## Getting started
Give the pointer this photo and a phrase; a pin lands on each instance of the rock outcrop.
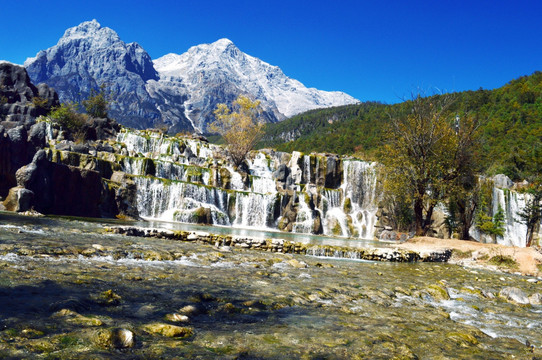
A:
(20, 137)
(20, 100)
(29, 179)
(61, 189)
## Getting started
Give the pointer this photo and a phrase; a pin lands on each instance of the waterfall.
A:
(306, 169)
(175, 179)
(361, 188)
(304, 221)
(255, 210)
(262, 176)
(177, 201)
(511, 202)
(236, 180)
(334, 218)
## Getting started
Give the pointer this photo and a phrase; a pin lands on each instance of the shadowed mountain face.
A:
(89, 55)
(179, 91)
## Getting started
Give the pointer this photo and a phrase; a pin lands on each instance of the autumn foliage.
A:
(240, 126)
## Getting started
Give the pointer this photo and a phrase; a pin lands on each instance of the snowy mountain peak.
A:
(220, 67)
(222, 43)
(91, 30)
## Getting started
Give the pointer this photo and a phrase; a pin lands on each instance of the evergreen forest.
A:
(509, 127)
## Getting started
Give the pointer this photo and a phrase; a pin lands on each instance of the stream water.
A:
(64, 283)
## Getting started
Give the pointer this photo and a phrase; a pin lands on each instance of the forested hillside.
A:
(510, 127)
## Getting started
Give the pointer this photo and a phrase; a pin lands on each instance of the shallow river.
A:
(65, 283)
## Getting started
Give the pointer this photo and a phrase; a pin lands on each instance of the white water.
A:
(349, 210)
(511, 202)
(184, 165)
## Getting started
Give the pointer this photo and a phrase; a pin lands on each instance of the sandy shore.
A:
(527, 258)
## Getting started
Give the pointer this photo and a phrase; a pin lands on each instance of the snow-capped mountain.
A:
(221, 68)
(180, 91)
(89, 55)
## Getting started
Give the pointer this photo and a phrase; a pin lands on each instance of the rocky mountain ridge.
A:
(178, 91)
(221, 67)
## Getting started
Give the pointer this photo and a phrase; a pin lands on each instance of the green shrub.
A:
(69, 119)
(462, 254)
(503, 261)
(98, 102)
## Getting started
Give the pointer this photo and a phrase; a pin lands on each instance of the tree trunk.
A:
(530, 235)
(531, 226)
(418, 213)
(428, 220)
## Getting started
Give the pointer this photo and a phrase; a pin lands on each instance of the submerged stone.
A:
(117, 338)
(76, 318)
(168, 330)
(438, 292)
(177, 317)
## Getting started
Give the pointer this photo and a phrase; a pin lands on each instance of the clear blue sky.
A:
(373, 50)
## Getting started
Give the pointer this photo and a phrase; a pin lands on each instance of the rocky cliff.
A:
(28, 180)
(20, 104)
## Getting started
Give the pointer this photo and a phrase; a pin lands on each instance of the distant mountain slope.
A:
(179, 91)
(219, 71)
(510, 127)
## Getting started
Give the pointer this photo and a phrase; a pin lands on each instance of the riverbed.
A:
(68, 288)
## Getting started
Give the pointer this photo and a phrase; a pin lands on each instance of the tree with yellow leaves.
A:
(240, 127)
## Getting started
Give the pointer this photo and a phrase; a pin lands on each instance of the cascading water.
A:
(334, 221)
(304, 221)
(254, 210)
(306, 169)
(360, 186)
(178, 201)
(510, 202)
(184, 173)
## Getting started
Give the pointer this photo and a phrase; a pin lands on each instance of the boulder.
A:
(117, 338)
(19, 199)
(502, 181)
(203, 215)
(515, 295)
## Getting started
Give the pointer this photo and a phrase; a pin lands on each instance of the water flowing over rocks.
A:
(284, 246)
(186, 179)
(506, 195)
(515, 295)
(70, 290)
